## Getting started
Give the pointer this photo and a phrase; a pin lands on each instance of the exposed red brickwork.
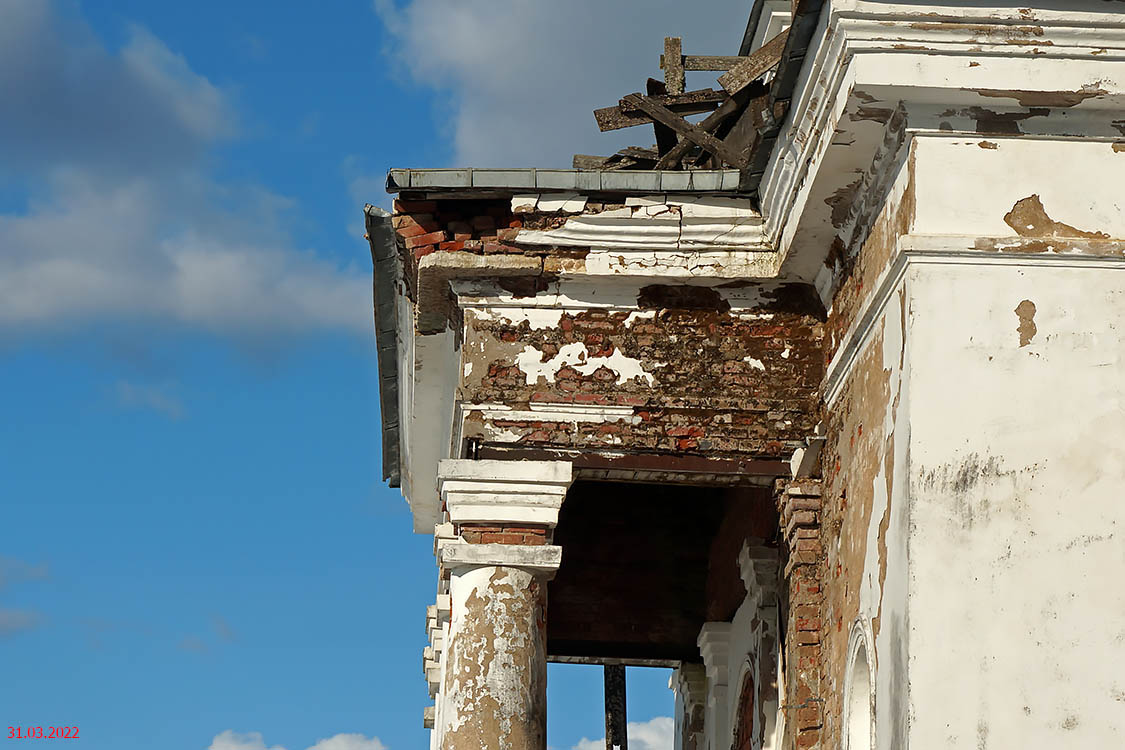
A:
(423, 226)
(723, 383)
(503, 534)
(799, 504)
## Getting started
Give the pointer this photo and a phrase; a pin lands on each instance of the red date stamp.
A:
(42, 733)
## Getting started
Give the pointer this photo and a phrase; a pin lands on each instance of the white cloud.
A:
(123, 221)
(654, 734)
(231, 740)
(197, 103)
(349, 742)
(521, 79)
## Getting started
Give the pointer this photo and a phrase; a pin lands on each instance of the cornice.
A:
(872, 58)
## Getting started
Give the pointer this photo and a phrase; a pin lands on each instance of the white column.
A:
(494, 688)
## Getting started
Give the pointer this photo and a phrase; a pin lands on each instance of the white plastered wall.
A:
(1017, 455)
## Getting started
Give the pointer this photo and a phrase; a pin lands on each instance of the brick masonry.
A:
(799, 505)
(503, 534)
(716, 381)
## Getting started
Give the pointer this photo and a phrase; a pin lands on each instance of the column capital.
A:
(490, 491)
(541, 560)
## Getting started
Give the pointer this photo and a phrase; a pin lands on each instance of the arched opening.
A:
(857, 706)
(746, 719)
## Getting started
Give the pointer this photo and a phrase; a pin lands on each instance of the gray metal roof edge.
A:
(384, 257)
(574, 180)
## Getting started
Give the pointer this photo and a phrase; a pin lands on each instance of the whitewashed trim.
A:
(556, 412)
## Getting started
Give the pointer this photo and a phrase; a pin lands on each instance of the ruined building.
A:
(819, 400)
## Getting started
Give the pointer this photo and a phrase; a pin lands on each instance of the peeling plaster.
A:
(1029, 218)
(531, 362)
(1025, 311)
(494, 693)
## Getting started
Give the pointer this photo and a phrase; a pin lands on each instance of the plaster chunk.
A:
(567, 203)
(524, 202)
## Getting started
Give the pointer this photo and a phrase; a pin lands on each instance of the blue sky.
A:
(197, 547)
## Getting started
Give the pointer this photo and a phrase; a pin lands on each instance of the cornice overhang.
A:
(882, 73)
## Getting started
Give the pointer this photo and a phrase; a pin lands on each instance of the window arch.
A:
(859, 697)
(747, 717)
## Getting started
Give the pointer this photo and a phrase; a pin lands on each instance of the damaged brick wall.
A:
(704, 380)
(803, 704)
(699, 376)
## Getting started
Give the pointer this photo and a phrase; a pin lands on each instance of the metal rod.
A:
(615, 720)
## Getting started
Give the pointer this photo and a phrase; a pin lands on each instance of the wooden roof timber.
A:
(726, 136)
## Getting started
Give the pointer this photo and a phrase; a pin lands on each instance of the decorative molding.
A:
(661, 223)
(714, 647)
(504, 491)
(759, 565)
(690, 682)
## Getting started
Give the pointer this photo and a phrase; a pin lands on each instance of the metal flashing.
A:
(384, 256)
(572, 180)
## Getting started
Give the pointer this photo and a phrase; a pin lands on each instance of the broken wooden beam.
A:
(755, 65)
(687, 130)
(673, 65)
(744, 133)
(586, 161)
(638, 153)
(672, 159)
(665, 136)
(691, 103)
(711, 63)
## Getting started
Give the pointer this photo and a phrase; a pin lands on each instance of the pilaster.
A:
(799, 505)
(714, 646)
(689, 685)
